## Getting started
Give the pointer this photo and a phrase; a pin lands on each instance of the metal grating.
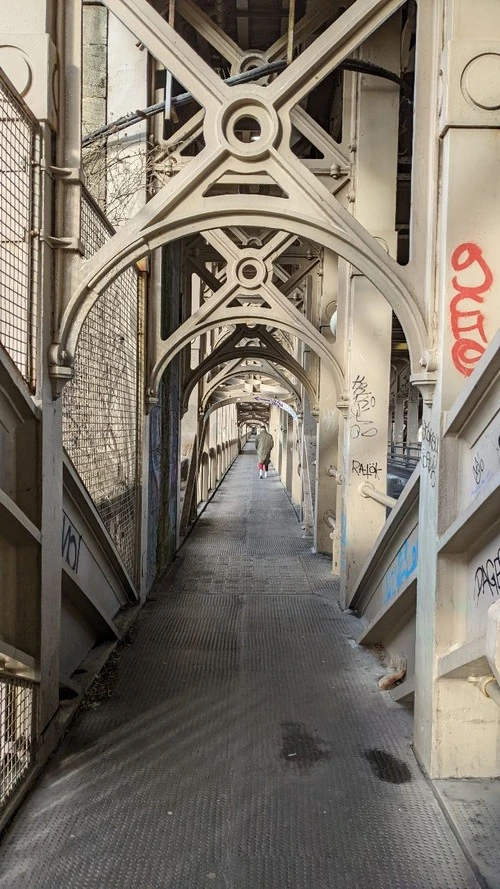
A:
(245, 744)
(100, 405)
(19, 193)
(16, 732)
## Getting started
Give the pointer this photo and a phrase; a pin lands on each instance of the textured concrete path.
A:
(246, 744)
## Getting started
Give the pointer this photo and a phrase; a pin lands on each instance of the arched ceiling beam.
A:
(382, 271)
(248, 270)
(275, 375)
(183, 206)
(289, 364)
(228, 350)
(238, 368)
(235, 399)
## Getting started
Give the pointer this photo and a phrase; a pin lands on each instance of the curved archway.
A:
(293, 391)
(248, 315)
(232, 399)
(292, 365)
(134, 242)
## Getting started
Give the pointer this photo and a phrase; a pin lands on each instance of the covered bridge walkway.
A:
(242, 742)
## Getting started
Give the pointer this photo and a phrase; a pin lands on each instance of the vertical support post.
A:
(291, 31)
(456, 728)
(289, 454)
(327, 455)
(366, 329)
(365, 432)
(296, 493)
(327, 451)
(64, 221)
(412, 416)
(399, 414)
(284, 446)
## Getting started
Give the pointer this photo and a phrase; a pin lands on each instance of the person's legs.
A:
(261, 467)
(266, 467)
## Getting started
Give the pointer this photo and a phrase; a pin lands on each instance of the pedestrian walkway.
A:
(246, 744)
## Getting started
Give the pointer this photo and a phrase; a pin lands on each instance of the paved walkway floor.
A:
(246, 744)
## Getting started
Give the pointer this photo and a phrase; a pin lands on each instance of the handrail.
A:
(488, 685)
(366, 489)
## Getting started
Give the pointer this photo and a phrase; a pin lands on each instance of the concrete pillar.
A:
(456, 728)
(328, 413)
(29, 48)
(296, 490)
(289, 454)
(275, 430)
(399, 417)
(365, 431)
(327, 455)
(412, 422)
(308, 461)
(284, 446)
(366, 329)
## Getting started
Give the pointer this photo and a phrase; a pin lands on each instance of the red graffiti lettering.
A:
(467, 351)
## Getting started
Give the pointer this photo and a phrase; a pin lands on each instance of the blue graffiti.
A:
(343, 542)
(406, 563)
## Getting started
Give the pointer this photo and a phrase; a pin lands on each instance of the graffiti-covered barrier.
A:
(386, 591)
(468, 546)
(95, 585)
(469, 542)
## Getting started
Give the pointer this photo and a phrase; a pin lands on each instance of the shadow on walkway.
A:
(246, 744)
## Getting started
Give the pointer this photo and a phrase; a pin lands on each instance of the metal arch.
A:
(255, 353)
(229, 351)
(379, 267)
(247, 316)
(310, 208)
(219, 311)
(271, 348)
(276, 376)
(264, 369)
(236, 399)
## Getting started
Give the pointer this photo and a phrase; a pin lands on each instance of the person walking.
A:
(264, 443)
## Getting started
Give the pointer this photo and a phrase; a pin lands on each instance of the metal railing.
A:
(404, 456)
(19, 205)
(16, 733)
(101, 414)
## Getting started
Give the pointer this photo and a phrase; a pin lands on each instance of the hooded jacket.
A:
(264, 444)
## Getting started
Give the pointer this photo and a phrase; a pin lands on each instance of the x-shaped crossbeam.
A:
(184, 206)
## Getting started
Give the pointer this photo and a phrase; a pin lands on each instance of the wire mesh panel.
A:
(18, 249)
(16, 732)
(100, 404)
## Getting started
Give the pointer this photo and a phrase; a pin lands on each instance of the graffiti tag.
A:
(487, 578)
(467, 323)
(477, 468)
(405, 565)
(71, 541)
(363, 400)
(367, 470)
(429, 457)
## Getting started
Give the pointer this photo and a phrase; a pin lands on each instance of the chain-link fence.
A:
(101, 414)
(19, 193)
(16, 733)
